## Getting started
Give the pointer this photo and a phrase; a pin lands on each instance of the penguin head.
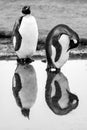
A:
(74, 41)
(73, 44)
(26, 10)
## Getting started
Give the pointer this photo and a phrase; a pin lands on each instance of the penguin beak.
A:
(73, 44)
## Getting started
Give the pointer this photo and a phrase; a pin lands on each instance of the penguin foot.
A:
(52, 69)
(21, 61)
(48, 68)
(28, 61)
(57, 70)
(24, 61)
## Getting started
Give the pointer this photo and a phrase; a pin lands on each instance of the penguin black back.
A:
(16, 34)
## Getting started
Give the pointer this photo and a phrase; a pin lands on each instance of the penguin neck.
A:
(27, 15)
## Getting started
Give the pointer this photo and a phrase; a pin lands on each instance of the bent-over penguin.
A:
(60, 40)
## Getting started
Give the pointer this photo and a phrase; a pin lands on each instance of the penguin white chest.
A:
(64, 42)
(29, 33)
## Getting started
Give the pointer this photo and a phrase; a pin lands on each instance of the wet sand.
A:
(7, 51)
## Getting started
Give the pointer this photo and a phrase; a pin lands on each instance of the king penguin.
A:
(25, 35)
(24, 87)
(57, 94)
(60, 40)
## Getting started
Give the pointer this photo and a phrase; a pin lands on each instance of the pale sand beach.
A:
(48, 14)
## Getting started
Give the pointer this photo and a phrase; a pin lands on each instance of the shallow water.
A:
(48, 14)
(34, 82)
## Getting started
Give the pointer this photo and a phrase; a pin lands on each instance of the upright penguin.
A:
(60, 40)
(57, 94)
(25, 35)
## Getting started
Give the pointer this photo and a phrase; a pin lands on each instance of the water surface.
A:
(33, 96)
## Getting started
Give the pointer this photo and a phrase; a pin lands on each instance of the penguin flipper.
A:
(16, 38)
(24, 61)
(58, 48)
(48, 56)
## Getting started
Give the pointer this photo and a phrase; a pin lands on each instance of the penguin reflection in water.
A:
(60, 40)
(57, 94)
(24, 86)
(25, 36)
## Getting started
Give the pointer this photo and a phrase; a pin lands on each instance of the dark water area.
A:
(32, 99)
(48, 14)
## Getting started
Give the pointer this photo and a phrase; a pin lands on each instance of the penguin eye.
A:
(26, 8)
